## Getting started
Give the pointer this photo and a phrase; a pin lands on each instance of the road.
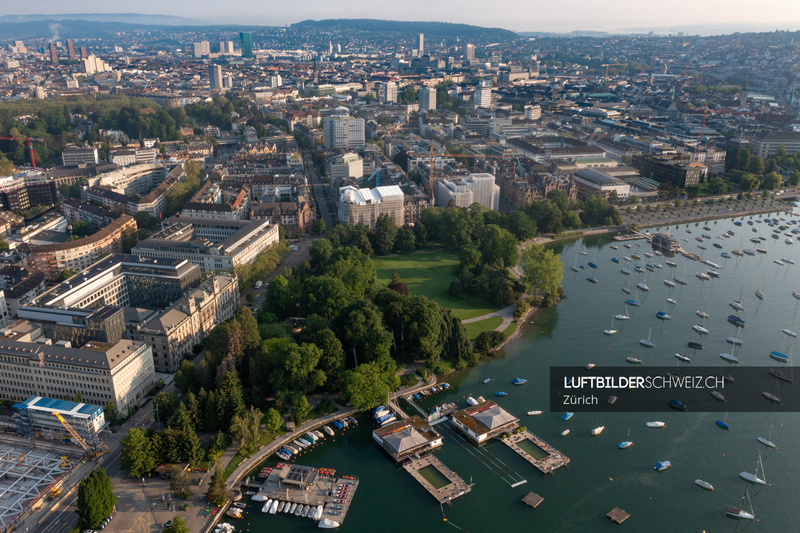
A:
(324, 205)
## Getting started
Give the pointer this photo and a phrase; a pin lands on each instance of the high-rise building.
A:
(93, 65)
(53, 53)
(215, 77)
(201, 49)
(421, 46)
(20, 46)
(469, 53)
(483, 94)
(84, 53)
(388, 92)
(247, 43)
(71, 50)
(463, 192)
(226, 47)
(427, 99)
(343, 132)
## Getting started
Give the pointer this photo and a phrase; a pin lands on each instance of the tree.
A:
(274, 420)
(398, 286)
(110, 412)
(177, 526)
(367, 385)
(300, 410)
(165, 404)
(179, 480)
(360, 328)
(794, 179)
(81, 228)
(498, 245)
(294, 368)
(405, 242)
(749, 182)
(385, 235)
(217, 492)
(542, 269)
(756, 165)
(96, 499)
(137, 455)
(65, 274)
(771, 180)
(145, 220)
(250, 337)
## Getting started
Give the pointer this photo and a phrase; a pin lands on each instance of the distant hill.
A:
(127, 18)
(430, 29)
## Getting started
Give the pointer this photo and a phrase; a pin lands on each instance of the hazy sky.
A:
(518, 15)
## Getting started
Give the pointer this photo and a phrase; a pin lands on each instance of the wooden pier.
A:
(635, 236)
(533, 499)
(455, 488)
(618, 515)
(554, 459)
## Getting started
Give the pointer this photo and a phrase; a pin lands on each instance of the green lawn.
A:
(511, 329)
(487, 324)
(430, 274)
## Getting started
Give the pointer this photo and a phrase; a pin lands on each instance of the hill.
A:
(432, 30)
(127, 18)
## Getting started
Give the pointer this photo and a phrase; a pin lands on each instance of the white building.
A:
(93, 64)
(427, 99)
(366, 205)
(593, 182)
(226, 47)
(346, 166)
(388, 92)
(74, 156)
(343, 132)
(477, 188)
(201, 49)
(483, 94)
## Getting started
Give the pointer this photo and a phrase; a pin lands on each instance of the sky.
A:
(690, 16)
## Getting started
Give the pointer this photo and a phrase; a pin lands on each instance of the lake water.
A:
(601, 476)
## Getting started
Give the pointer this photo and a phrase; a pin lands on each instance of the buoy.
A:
(611, 479)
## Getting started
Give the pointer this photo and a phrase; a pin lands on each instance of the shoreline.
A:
(717, 216)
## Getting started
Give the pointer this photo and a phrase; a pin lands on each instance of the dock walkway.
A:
(457, 486)
(554, 460)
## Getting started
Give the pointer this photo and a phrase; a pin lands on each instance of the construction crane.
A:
(613, 65)
(93, 451)
(30, 146)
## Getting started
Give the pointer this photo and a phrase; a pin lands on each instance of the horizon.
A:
(627, 16)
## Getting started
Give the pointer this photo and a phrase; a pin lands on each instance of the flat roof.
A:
(78, 410)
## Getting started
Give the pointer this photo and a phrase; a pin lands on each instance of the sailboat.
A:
(574, 267)
(627, 443)
(737, 304)
(767, 441)
(760, 292)
(681, 280)
(599, 429)
(669, 283)
(773, 397)
(753, 478)
(739, 512)
(611, 330)
(705, 484)
(647, 343)
(702, 314)
(723, 423)
(623, 316)
(729, 356)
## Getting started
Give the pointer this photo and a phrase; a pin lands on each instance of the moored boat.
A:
(655, 424)
(567, 415)
(705, 484)
(661, 466)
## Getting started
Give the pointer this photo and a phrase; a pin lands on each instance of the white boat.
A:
(598, 430)
(611, 330)
(327, 523)
(267, 506)
(669, 283)
(643, 286)
(565, 433)
(705, 484)
(672, 301)
(634, 360)
(274, 507)
(739, 512)
(292, 509)
(534, 413)
(301, 443)
(623, 316)
(590, 366)
(702, 275)
(729, 357)
(472, 401)
(683, 358)
(753, 477)
(381, 413)
(318, 512)
(767, 441)
(647, 343)
(700, 329)
(734, 340)
(790, 332)
(328, 430)
(259, 498)
(655, 424)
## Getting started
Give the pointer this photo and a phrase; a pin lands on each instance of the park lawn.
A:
(430, 274)
(265, 439)
(511, 329)
(487, 324)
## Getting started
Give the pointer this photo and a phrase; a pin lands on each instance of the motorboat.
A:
(487, 380)
(598, 430)
(519, 381)
(705, 484)
(534, 413)
(661, 466)
(328, 430)
(567, 415)
(672, 263)
(591, 365)
(683, 358)
(677, 404)
(327, 523)
(634, 360)
(655, 424)
(702, 275)
(591, 280)
(234, 512)
(501, 393)
(702, 314)
(565, 433)
(259, 497)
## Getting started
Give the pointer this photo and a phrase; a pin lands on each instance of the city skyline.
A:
(627, 16)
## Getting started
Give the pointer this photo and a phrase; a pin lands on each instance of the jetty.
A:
(533, 500)
(441, 482)
(305, 485)
(618, 515)
(536, 451)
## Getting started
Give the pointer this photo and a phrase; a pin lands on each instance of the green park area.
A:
(479, 326)
(430, 274)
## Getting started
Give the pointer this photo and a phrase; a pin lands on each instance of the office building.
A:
(463, 192)
(469, 52)
(483, 94)
(213, 244)
(674, 169)
(388, 92)
(594, 182)
(366, 205)
(427, 99)
(76, 255)
(346, 166)
(421, 44)
(215, 77)
(343, 132)
(53, 53)
(71, 50)
(36, 416)
(246, 39)
(767, 144)
(122, 372)
(226, 47)
(201, 49)
(74, 156)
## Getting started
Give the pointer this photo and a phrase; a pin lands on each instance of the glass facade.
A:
(247, 43)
